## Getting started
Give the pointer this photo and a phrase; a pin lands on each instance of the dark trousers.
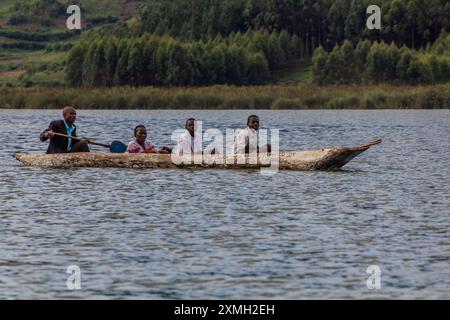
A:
(80, 146)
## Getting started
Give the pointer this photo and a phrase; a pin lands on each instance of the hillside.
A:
(234, 42)
(34, 42)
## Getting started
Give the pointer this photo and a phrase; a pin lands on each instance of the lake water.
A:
(231, 234)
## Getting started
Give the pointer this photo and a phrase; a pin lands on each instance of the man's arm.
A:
(48, 133)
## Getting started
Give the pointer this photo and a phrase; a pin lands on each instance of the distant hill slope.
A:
(33, 50)
(91, 10)
(34, 53)
(34, 41)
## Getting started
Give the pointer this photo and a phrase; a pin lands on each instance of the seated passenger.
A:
(143, 145)
(247, 140)
(189, 142)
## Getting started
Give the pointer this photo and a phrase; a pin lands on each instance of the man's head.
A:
(69, 114)
(253, 122)
(190, 126)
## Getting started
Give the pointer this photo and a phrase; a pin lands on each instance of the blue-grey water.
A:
(231, 234)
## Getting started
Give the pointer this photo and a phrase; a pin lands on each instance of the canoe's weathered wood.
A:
(325, 159)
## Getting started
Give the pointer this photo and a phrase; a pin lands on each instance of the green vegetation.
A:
(43, 12)
(99, 9)
(295, 72)
(34, 41)
(379, 62)
(290, 49)
(330, 33)
(414, 23)
(231, 97)
(19, 68)
(150, 60)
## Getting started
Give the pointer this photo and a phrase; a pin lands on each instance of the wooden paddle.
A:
(114, 147)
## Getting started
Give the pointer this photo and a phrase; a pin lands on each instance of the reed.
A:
(232, 97)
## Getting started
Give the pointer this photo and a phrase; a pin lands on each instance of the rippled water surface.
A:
(231, 234)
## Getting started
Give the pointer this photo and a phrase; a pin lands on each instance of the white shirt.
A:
(185, 141)
(248, 135)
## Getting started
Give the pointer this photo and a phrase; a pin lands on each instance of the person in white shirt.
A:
(247, 140)
(189, 142)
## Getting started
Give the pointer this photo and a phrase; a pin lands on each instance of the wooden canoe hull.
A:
(325, 159)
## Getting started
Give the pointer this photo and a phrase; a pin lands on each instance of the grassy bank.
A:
(229, 97)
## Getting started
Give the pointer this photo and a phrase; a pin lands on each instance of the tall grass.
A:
(231, 97)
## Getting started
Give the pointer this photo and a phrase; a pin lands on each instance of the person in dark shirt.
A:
(66, 126)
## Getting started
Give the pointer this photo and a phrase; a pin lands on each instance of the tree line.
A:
(379, 62)
(150, 60)
(413, 23)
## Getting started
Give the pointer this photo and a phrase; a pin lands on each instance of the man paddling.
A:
(67, 127)
(247, 140)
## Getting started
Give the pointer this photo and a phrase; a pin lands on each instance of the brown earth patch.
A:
(130, 8)
(11, 74)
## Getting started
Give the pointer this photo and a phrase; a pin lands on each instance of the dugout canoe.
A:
(324, 159)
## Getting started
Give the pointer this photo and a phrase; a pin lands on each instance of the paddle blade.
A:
(118, 147)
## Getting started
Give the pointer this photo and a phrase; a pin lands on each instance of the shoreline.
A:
(224, 97)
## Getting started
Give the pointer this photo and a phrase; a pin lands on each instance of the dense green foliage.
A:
(45, 12)
(316, 22)
(245, 41)
(379, 62)
(239, 42)
(166, 61)
(36, 11)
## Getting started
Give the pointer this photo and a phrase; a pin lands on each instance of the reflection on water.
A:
(231, 233)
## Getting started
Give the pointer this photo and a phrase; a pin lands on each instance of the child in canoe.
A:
(143, 145)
